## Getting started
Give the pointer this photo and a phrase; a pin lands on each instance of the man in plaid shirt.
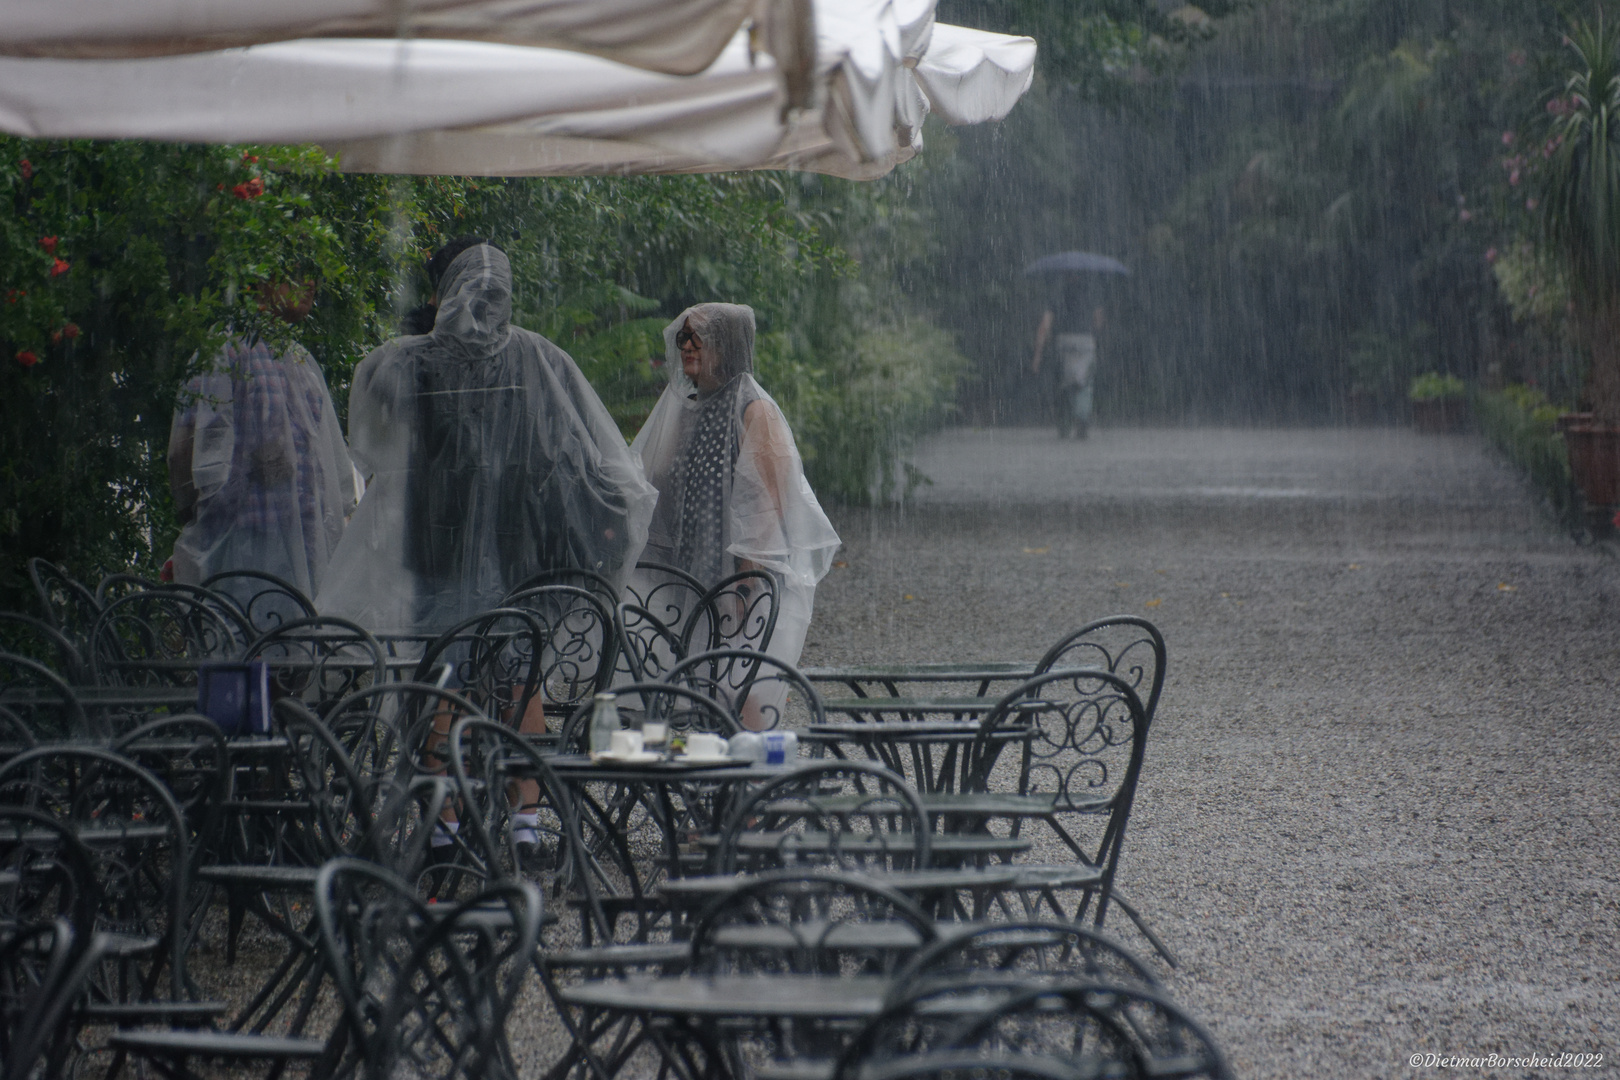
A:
(257, 462)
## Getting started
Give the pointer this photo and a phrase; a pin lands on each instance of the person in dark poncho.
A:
(490, 459)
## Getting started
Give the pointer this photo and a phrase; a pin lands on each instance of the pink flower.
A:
(26, 358)
(1507, 138)
(60, 267)
(1531, 204)
(1517, 58)
(1465, 215)
(1513, 178)
(1490, 255)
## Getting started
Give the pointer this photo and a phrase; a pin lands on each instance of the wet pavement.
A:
(1378, 814)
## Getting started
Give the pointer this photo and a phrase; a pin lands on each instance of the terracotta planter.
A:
(1594, 461)
(1439, 416)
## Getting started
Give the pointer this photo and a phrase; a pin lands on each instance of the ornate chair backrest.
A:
(809, 923)
(140, 846)
(44, 970)
(1146, 1027)
(494, 659)
(1124, 645)
(67, 604)
(55, 874)
(580, 641)
(394, 731)
(319, 659)
(737, 613)
(1087, 739)
(161, 637)
(448, 1011)
(738, 677)
(499, 773)
(35, 704)
(342, 798)
(265, 600)
(979, 1018)
(410, 810)
(665, 592)
(39, 641)
(1034, 951)
(371, 922)
(842, 815)
(648, 647)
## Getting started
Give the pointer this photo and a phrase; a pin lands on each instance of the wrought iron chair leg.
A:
(1159, 947)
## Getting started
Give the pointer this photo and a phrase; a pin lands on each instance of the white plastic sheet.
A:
(473, 107)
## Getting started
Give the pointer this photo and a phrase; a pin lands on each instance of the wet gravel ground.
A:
(1378, 815)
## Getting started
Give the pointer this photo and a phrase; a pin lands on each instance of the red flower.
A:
(60, 267)
(250, 190)
(27, 169)
(49, 244)
(26, 358)
(70, 330)
(14, 295)
(1616, 521)
(250, 158)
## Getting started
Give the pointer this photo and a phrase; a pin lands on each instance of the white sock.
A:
(445, 833)
(524, 828)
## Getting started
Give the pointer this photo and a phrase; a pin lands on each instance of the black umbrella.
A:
(1070, 261)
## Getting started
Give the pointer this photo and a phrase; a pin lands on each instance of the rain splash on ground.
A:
(1378, 816)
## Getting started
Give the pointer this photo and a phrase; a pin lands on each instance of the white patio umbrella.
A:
(680, 37)
(477, 107)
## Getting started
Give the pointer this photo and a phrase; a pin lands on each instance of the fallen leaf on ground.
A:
(1037, 551)
(841, 564)
(908, 596)
(1122, 584)
(1354, 566)
(1153, 603)
(1505, 587)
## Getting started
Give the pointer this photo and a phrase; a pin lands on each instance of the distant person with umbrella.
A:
(1071, 323)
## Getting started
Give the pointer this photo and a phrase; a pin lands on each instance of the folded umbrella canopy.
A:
(840, 88)
(681, 37)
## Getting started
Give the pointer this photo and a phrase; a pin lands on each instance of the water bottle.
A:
(780, 747)
(604, 722)
(747, 746)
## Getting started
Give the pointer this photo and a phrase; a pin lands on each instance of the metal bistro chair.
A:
(1035, 951)
(67, 604)
(1077, 774)
(494, 660)
(35, 704)
(44, 970)
(267, 601)
(739, 612)
(975, 1021)
(38, 640)
(319, 659)
(842, 815)
(1127, 646)
(648, 646)
(580, 641)
(153, 644)
(757, 686)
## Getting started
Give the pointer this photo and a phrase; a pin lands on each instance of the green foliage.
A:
(1521, 422)
(1433, 386)
(155, 251)
(1581, 183)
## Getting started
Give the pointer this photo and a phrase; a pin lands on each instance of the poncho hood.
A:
(727, 330)
(475, 303)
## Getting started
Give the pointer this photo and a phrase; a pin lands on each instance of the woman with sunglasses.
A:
(732, 494)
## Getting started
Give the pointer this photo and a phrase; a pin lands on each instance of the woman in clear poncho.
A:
(732, 494)
(490, 459)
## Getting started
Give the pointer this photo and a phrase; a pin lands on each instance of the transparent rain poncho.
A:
(490, 459)
(258, 441)
(732, 494)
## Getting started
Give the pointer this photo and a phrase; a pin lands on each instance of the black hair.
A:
(441, 260)
(419, 320)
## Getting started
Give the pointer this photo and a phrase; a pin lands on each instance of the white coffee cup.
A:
(654, 732)
(626, 743)
(704, 744)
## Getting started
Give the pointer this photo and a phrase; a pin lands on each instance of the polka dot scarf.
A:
(703, 477)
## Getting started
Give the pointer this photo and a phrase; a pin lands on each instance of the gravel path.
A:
(1378, 816)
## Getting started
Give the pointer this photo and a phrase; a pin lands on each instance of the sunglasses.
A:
(685, 336)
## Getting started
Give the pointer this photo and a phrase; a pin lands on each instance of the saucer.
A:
(703, 758)
(641, 757)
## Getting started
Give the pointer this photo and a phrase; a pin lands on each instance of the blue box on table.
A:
(236, 697)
